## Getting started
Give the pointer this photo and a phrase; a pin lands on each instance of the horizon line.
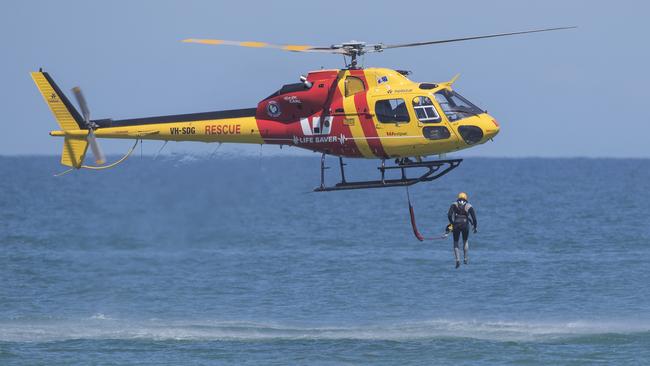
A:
(307, 155)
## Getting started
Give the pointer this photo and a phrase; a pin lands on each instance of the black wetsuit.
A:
(461, 216)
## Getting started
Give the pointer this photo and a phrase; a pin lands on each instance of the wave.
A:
(101, 327)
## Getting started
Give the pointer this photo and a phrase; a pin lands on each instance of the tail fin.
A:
(66, 115)
(74, 149)
(74, 152)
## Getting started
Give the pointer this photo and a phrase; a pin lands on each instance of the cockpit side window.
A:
(425, 111)
(353, 85)
(455, 106)
(392, 111)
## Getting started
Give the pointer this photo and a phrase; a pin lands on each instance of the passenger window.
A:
(353, 85)
(392, 111)
(425, 111)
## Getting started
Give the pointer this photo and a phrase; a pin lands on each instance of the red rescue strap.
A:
(416, 232)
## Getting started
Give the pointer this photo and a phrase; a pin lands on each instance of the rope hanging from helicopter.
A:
(414, 226)
(103, 167)
(116, 163)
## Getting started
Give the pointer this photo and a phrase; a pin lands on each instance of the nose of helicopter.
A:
(490, 127)
(480, 130)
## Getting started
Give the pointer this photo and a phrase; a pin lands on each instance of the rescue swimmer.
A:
(460, 215)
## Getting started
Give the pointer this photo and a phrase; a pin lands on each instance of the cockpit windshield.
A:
(455, 106)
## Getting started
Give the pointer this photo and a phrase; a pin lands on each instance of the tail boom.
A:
(235, 130)
(235, 126)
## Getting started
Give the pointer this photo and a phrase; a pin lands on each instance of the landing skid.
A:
(434, 170)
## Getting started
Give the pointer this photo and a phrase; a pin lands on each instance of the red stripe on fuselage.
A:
(365, 118)
(348, 147)
(291, 133)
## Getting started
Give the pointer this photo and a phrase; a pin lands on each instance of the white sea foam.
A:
(100, 326)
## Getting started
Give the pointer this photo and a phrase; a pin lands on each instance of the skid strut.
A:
(342, 170)
(432, 170)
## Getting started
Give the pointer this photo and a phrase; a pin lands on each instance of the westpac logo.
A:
(53, 98)
(317, 126)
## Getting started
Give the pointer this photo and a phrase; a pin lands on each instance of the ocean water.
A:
(226, 260)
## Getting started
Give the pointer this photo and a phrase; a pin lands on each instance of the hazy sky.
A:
(569, 93)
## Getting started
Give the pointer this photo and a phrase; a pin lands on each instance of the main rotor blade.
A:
(82, 103)
(470, 38)
(285, 47)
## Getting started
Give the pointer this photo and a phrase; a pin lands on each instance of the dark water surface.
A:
(230, 260)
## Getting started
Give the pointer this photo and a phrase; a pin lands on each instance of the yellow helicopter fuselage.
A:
(373, 113)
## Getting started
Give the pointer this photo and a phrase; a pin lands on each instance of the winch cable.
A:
(416, 232)
(102, 167)
(119, 161)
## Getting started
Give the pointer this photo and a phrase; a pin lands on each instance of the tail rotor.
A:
(92, 140)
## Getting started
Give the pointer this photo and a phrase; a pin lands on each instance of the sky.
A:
(575, 93)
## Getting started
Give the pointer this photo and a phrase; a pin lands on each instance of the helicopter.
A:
(352, 112)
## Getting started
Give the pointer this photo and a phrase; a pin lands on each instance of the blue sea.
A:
(233, 260)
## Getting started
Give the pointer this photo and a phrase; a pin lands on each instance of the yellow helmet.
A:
(462, 196)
